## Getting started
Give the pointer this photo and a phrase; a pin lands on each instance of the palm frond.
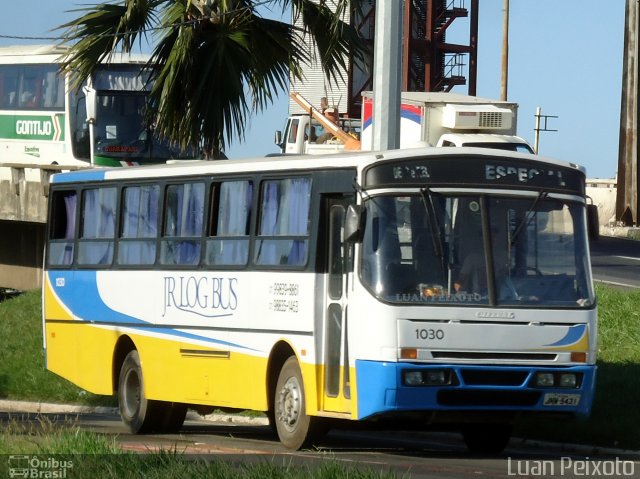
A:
(102, 30)
(215, 61)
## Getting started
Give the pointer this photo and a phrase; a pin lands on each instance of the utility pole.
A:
(540, 118)
(627, 197)
(387, 75)
(505, 52)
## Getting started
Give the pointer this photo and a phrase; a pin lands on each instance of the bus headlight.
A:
(568, 380)
(412, 378)
(545, 380)
(427, 377)
(559, 380)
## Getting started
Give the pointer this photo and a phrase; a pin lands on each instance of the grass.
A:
(22, 373)
(615, 417)
(634, 234)
(614, 421)
(86, 454)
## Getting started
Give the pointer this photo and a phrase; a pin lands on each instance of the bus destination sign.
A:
(475, 171)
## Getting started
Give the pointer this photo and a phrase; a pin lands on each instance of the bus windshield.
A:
(121, 132)
(481, 250)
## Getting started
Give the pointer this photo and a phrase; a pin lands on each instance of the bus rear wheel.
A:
(139, 414)
(294, 427)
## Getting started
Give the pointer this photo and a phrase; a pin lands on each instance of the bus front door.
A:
(336, 372)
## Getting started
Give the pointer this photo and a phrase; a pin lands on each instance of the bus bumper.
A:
(387, 388)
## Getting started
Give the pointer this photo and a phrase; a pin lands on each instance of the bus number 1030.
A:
(430, 334)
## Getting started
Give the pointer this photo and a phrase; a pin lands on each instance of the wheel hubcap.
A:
(289, 404)
(131, 393)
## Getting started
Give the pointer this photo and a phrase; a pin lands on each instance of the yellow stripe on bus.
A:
(173, 370)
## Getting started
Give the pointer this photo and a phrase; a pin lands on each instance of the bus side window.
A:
(228, 241)
(183, 220)
(98, 221)
(283, 235)
(137, 243)
(62, 227)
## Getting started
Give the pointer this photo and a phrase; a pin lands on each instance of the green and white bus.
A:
(44, 121)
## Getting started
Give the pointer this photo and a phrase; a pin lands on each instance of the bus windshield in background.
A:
(519, 147)
(121, 132)
(429, 249)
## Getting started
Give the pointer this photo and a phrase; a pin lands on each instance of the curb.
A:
(581, 449)
(30, 407)
(52, 408)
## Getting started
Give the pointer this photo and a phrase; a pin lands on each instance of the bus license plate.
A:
(554, 399)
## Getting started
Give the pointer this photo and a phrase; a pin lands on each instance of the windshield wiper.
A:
(526, 220)
(432, 218)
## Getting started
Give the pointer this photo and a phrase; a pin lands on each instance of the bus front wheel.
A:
(295, 428)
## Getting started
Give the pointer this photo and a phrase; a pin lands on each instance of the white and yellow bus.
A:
(440, 286)
(44, 121)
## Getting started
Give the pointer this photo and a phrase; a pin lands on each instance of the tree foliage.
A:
(215, 62)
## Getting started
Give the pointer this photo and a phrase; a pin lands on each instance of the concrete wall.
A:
(23, 214)
(603, 194)
(21, 254)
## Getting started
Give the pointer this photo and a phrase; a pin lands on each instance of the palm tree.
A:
(215, 62)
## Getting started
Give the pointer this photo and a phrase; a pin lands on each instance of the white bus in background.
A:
(43, 121)
(425, 287)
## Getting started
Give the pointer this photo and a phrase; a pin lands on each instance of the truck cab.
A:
(304, 135)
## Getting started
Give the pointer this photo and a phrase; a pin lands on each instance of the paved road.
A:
(407, 454)
(616, 261)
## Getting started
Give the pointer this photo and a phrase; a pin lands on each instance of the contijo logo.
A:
(34, 127)
(38, 467)
(571, 467)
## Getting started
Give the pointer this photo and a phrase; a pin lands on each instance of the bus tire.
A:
(172, 417)
(487, 438)
(138, 413)
(295, 429)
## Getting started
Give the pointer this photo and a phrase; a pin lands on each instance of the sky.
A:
(564, 57)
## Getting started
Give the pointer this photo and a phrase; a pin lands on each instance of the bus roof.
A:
(24, 50)
(291, 163)
(25, 54)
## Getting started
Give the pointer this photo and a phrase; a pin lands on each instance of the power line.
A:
(16, 37)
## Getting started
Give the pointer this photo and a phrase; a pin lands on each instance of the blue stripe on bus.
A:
(80, 295)
(380, 389)
(575, 334)
(96, 174)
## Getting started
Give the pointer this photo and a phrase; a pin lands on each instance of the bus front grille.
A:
(488, 398)
(493, 356)
(480, 377)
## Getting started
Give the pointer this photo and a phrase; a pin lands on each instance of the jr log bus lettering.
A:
(350, 287)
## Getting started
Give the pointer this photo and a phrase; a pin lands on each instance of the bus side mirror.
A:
(353, 224)
(91, 104)
(593, 222)
(278, 139)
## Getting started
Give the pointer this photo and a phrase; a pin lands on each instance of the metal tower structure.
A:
(429, 62)
(627, 200)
